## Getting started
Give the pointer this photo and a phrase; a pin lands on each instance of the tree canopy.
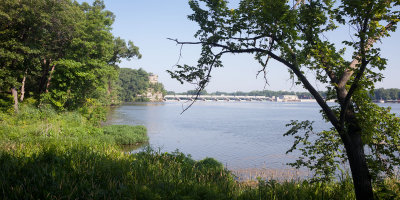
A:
(294, 35)
(386, 94)
(59, 52)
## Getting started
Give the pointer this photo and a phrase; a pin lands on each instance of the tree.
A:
(89, 70)
(294, 35)
(32, 33)
(133, 83)
(59, 52)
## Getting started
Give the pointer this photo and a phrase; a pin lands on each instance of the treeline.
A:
(59, 52)
(386, 94)
(378, 94)
(267, 93)
(135, 85)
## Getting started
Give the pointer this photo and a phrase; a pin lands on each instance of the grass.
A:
(32, 124)
(59, 170)
(49, 155)
(126, 135)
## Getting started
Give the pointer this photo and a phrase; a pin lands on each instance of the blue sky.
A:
(149, 22)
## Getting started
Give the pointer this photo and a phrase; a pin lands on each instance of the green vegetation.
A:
(267, 93)
(135, 84)
(84, 172)
(59, 52)
(59, 66)
(386, 94)
(32, 125)
(49, 155)
(378, 94)
(293, 33)
(126, 135)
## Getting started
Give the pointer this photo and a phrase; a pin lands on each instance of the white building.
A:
(288, 98)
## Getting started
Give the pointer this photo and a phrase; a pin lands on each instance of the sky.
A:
(148, 23)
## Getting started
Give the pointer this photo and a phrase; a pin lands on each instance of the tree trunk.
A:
(43, 79)
(23, 87)
(49, 79)
(109, 92)
(109, 89)
(358, 164)
(15, 95)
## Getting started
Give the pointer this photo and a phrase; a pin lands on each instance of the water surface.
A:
(238, 134)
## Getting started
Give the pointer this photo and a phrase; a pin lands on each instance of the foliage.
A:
(135, 84)
(93, 112)
(49, 155)
(267, 93)
(194, 92)
(126, 135)
(324, 153)
(386, 94)
(321, 152)
(294, 34)
(32, 125)
(57, 169)
(60, 52)
(298, 189)
(158, 87)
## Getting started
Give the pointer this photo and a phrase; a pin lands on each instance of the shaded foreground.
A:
(45, 155)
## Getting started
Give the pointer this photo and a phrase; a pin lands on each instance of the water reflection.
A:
(242, 135)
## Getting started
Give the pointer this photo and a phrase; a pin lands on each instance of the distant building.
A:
(287, 98)
(150, 93)
(153, 78)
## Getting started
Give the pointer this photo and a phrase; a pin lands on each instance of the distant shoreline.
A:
(299, 101)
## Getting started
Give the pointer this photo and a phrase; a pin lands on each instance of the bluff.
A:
(137, 85)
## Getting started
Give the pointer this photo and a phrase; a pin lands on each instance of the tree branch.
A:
(342, 92)
(298, 3)
(331, 116)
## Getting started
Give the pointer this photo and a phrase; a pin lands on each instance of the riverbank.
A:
(50, 155)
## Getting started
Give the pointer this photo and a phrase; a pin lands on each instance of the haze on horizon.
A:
(149, 23)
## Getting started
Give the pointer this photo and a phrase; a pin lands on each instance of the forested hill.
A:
(136, 86)
(60, 53)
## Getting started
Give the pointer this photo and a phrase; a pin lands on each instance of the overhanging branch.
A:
(226, 49)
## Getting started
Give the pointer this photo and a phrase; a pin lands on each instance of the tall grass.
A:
(127, 135)
(300, 189)
(50, 155)
(59, 170)
(38, 125)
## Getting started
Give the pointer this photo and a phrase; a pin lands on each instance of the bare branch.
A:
(331, 116)
(203, 84)
(264, 71)
(180, 56)
(264, 66)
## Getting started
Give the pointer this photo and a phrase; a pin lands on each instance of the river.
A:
(241, 135)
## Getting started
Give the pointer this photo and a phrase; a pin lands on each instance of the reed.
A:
(49, 155)
(127, 135)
